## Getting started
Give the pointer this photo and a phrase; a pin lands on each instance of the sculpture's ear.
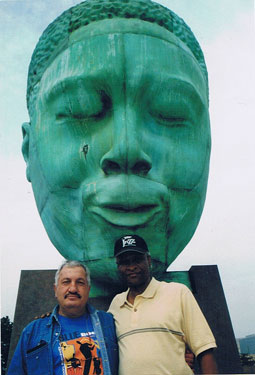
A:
(25, 146)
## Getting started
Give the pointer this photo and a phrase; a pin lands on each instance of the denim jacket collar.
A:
(54, 315)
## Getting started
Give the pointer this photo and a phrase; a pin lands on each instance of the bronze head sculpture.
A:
(119, 133)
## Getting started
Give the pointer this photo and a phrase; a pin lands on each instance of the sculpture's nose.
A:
(126, 154)
(131, 160)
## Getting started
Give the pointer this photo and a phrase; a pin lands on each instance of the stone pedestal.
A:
(208, 291)
(36, 297)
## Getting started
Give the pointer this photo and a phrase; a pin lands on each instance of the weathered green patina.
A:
(119, 140)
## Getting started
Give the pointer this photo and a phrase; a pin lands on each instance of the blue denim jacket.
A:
(33, 355)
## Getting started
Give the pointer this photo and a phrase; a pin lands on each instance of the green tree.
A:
(248, 363)
(6, 330)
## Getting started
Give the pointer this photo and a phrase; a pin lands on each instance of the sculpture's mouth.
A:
(121, 214)
(127, 201)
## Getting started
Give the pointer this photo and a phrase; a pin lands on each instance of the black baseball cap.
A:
(130, 243)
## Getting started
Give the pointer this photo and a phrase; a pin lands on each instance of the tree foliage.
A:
(247, 360)
(6, 330)
(248, 363)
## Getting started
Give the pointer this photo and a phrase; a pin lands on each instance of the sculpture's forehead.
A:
(126, 26)
(97, 51)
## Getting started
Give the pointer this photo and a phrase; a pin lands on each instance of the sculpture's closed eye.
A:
(87, 106)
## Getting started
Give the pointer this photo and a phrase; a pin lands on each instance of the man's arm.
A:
(189, 358)
(207, 362)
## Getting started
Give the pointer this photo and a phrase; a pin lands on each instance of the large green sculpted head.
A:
(119, 140)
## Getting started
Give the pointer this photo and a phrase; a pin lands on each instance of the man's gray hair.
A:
(72, 264)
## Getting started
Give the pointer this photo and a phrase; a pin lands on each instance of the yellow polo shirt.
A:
(153, 332)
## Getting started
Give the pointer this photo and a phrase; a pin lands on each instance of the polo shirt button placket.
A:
(135, 316)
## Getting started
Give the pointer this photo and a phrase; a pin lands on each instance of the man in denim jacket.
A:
(74, 338)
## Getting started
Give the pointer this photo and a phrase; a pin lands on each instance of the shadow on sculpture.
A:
(119, 134)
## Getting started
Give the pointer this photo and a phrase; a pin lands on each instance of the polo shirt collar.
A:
(149, 292)
(151, 289)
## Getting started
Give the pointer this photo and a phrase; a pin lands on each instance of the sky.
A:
(226, 233)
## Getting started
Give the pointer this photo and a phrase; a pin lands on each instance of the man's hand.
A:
(189, 358)
(207, 362)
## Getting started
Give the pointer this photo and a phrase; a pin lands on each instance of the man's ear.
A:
(55, 289)
(25, 146)
(149, 260)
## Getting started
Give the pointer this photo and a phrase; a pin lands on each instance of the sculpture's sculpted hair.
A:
(72, 264)
(57, 33)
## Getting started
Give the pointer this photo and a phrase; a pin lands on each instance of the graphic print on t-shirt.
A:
(82, 356)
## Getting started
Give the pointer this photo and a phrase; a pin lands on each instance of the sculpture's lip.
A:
(127, 215)
(129, 206)
(128, 201)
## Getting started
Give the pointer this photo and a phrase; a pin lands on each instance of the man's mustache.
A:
(72, 294)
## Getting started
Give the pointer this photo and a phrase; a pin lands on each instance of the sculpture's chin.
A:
(89, 235)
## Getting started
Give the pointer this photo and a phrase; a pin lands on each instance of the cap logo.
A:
(128, 241)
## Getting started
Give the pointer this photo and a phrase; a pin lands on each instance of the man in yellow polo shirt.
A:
(155, 321)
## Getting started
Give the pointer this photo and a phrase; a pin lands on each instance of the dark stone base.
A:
(36, 297)
(208, 291)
